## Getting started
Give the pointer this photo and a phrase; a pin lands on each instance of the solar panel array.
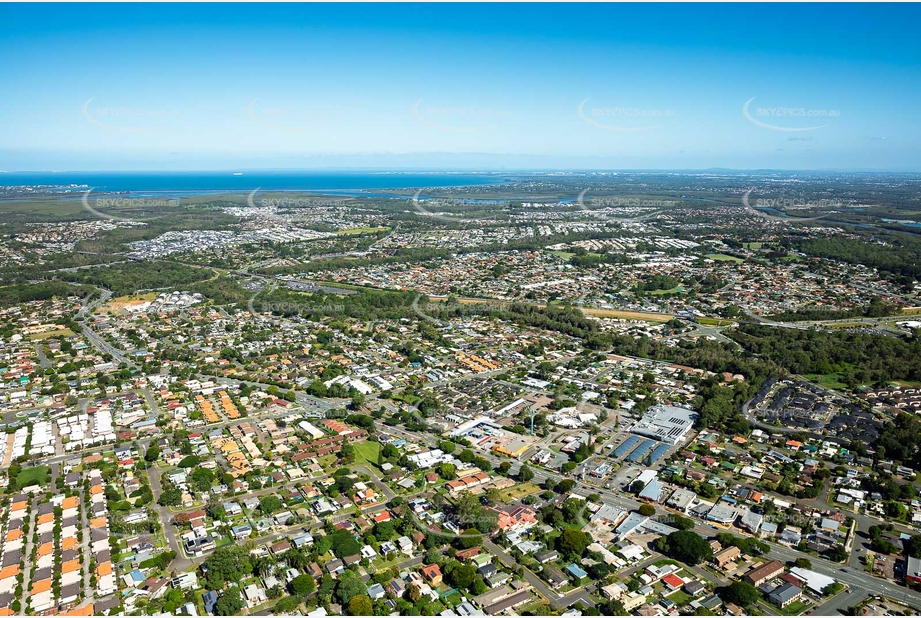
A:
(626, 446)
(640, 451)
(657, 453)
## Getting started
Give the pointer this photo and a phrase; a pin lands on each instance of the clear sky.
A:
(485, 86)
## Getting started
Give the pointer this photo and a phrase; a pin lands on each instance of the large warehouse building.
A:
(667, 424)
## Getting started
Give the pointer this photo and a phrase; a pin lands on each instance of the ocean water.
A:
(189, 183)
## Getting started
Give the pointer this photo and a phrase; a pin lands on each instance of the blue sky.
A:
(485, 86)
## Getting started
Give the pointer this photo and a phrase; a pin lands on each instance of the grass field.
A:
(363, 230)
(639, 316)
(713, 322)
(63, 332)
(794, 609)
(828, 380)
(722, 257)
(674, 290)
(40, 475)
(366, 453)
(679, 598)
(517, 492)
(628, 315)
(563, 254)
(754, 246)
(117, 304)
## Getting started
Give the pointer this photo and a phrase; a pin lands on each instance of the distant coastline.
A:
(191, 183)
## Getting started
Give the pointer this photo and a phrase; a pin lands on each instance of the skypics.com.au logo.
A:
(433, 208)
(456, 118)
(290, 118)
(623, 209)
(294, 202)
(125, 205)
(623, 119)
(788, 119)
(124, 119)
(762, 207)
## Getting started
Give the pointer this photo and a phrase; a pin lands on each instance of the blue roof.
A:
(641, 451)
(576, 571)
(658, 452)
(652, 491)
(210, 600)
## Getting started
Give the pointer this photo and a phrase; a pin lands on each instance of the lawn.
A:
(63, 332)
(628, 315)
(722, 257)
(563, 254)
(828, 380)
(517, 492)
(674, 290)
(713, 322)
(40, 475)
(680, 598)
(363, 230)
(794, 609)
(367, 453)
(754, 246)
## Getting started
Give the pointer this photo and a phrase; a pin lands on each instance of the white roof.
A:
(814, 581)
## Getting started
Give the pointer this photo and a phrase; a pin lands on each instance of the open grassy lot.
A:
(674, 290)
(117, 304)
(62, 332)
(367, 452)
(722, 257)
(828, 380)
(794, 609)
(40, 475)
(517, 492)
(628, 315)
(363, 230)
(680, 598)
(713, 322)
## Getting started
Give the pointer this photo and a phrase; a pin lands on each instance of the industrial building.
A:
(668, 424)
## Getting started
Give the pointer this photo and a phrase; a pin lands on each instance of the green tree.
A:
(447, 471)
(229, 603)
(741, 593)
(686, 546)
(682, 523)
(171, 496)
(190, 462)
(461, 576)
(572, 543)
(227, 564)
(343, 543)
(360, 605)
(470, 538)
(525, 474)
(269, 504)
(647, 510)
(349, 586)
(303, 585)
(287, 605)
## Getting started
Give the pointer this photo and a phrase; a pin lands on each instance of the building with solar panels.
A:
(668, 424)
